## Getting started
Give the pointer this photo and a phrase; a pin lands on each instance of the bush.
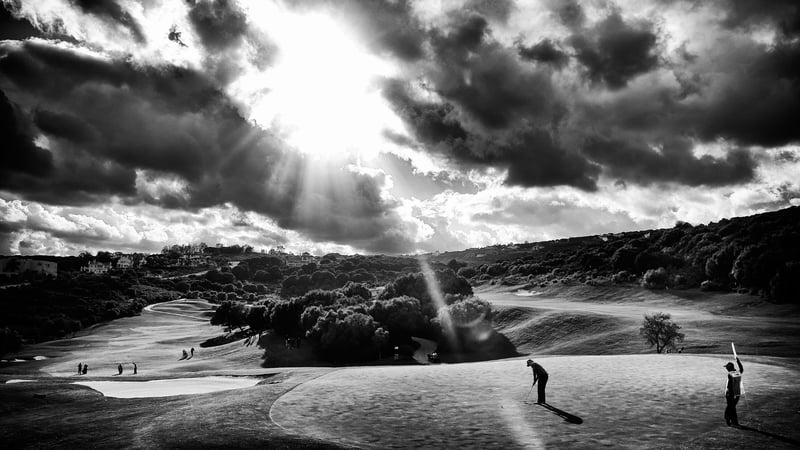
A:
(785, 285)
(356, 290)
(624, 258)
(285, 316)
(655, 279)
(467, 272)
(241, 271)
(346, 336)
(466, 313)
(323, 279)
(10, 341)
(258, 318)
(401, 316)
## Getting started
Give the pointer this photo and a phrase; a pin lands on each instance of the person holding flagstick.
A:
(733, 390)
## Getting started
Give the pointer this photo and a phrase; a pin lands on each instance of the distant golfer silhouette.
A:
(135, 369)
(192, 350)
(85, 368)
(540, 375)
(185, 355)
(80, 368)
(733, 389)
(119, 369)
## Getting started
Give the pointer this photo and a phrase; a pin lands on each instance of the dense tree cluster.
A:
(758, 254)
(345, 324)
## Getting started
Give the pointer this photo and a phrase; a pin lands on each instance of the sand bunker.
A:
(24, 359)
(526, 293)
(19, 381)
(170, 387)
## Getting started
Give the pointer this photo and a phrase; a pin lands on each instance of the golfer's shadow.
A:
(768, 434)
(571, 418)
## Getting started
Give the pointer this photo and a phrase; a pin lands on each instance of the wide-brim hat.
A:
(530, 362)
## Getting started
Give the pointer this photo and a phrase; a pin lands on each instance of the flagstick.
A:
(741, 383)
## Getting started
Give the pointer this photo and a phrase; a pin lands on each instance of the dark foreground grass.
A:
(56, 414)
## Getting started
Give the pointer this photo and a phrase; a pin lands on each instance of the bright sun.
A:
(321, 91)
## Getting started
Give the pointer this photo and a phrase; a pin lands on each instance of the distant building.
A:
(297, 260)
(13, 266)
(124, 262)
(193, 260)
(96, 267)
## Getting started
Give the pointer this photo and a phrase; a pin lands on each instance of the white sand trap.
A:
(170, 387)
(526, 293)
(19, 381)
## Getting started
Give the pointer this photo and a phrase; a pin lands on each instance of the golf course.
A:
(606, 388)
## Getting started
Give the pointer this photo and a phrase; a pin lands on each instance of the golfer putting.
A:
(540, 375)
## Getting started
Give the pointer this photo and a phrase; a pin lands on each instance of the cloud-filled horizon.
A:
(389, 126)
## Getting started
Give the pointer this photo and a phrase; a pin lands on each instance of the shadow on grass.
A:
(768, 434)
(571, 418)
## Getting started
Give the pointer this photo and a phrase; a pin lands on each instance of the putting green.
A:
(629, 401)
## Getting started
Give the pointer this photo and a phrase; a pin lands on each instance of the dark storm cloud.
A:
(758, 105)
(63, 125)
(110, 10)
(220, 23)
(746, 13)
(545, 51)
(499, 10)
(569, 12)
(17, 28)
(486, 80)
(492, 109)
(614, 51)
(531, 156)
(671, 161)
(107, 119)
(19, 153)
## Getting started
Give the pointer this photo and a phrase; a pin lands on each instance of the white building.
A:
(95, 267)
(124, 262)
(21, 265)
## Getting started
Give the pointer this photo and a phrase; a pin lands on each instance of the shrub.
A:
(655, 279)
(241, 271)
(467, 272)
(466, 313)
(401, 316)
(346, 336)
(356, 290)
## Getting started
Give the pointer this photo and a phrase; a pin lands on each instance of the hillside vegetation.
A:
(759, 255)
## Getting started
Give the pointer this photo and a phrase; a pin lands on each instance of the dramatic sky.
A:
(394, 126)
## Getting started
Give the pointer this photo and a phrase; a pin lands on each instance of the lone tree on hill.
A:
(658, 329)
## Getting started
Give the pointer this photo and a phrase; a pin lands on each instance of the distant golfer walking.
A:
(540, 375)
(733, 390)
